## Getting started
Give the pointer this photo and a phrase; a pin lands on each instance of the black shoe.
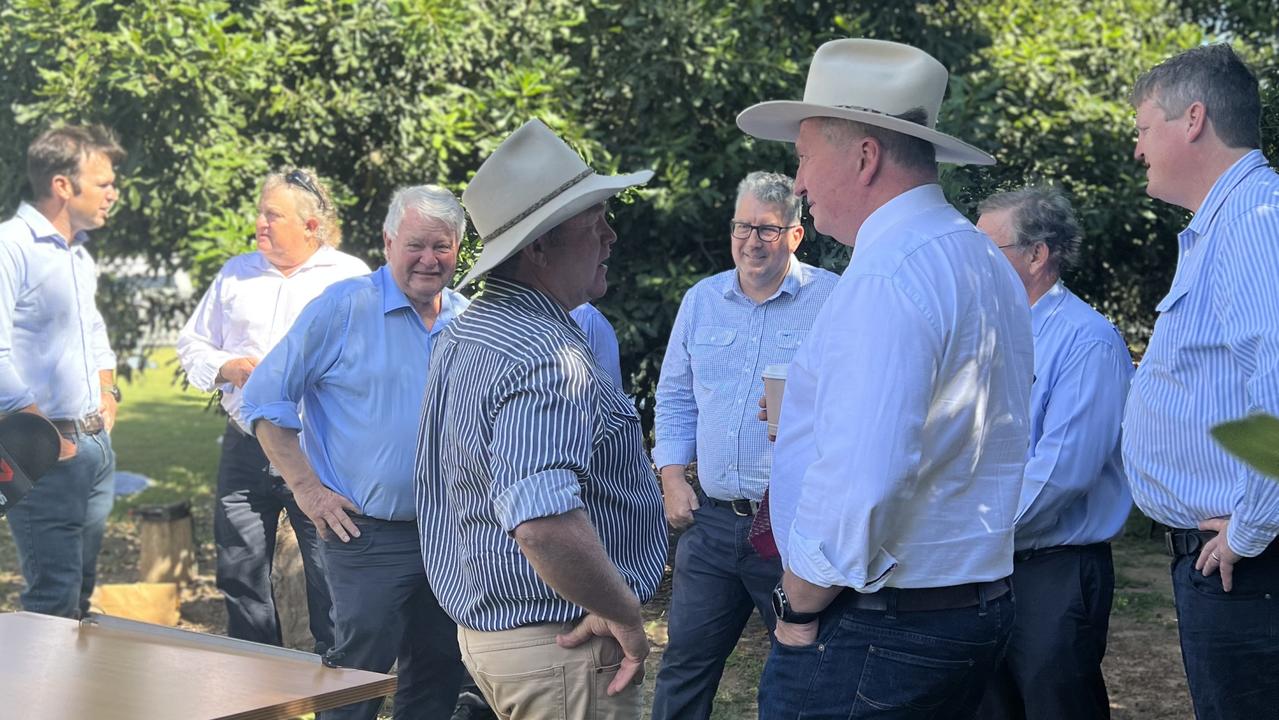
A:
(471, 706)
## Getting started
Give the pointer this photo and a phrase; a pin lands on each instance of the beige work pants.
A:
(524, 675)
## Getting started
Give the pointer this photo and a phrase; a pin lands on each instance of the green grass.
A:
(165, 433)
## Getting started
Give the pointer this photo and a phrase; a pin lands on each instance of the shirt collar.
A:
(791, 282)
(500, 288)
(393, 298)
(1046, 306)
(903, 207)
(44, 229)
(1222, 188)
(325, 256)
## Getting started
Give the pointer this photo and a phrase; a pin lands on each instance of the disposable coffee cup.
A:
(774, 383)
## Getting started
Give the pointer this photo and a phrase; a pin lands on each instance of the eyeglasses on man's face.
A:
(767, 233)
(300, 179)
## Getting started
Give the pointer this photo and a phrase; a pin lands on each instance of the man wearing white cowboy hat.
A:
(542, 528)
(897, 471)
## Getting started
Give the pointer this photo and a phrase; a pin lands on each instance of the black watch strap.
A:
(781, 606)
(114, 391)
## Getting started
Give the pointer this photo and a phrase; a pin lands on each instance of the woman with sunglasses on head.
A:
(247, 309)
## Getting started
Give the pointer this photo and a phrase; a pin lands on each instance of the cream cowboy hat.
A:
(868, 81)
(531, 183)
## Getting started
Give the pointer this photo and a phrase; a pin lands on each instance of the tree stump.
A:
(167, 540)
(288, 583)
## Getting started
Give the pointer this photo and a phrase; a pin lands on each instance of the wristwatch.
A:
(781, 606)
(114, 391)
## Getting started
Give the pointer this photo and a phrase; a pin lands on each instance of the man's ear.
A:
(535, 252)
(796, 236)
(870, 155)
(62, 187)
(1196, 121)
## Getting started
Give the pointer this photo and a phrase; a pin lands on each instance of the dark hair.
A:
(1041, 214)
(61, 150)
(906, 150)
(1215, 76)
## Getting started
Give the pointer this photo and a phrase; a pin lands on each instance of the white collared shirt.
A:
(905, 417)
(248, 308)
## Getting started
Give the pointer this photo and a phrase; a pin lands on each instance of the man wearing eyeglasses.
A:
(730, 326)
(1074, 497)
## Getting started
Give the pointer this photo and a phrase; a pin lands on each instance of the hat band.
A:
(541, 202)
(873, 111)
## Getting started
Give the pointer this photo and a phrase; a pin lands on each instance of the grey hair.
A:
(907, 150)
(430, 201)
(1041, 214)
(308, 205)
(773, 189)
(1215, 76)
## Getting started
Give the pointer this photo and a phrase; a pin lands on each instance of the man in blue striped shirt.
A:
(1214, 356)
(1074, 497)
(730, 326)
(348, 377)
(541, 523)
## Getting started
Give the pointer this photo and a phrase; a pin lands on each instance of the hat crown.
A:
(523, 173)
(878, 76)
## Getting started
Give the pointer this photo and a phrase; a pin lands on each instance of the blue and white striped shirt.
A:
(711, 381)
(520, 422)
(1074, 491)
(1213, 357)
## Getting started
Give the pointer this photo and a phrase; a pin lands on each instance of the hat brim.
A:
(780, 119)
(591, 191)
(32, 442)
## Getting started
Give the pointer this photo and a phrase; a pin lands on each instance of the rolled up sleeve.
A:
(294, 366)
(542, 436)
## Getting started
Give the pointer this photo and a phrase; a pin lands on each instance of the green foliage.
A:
(211, 94)
(1254, 439)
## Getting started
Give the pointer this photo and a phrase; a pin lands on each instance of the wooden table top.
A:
(111, 669)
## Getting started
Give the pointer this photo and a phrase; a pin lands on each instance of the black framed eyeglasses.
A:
(299, 178)
(767, 233)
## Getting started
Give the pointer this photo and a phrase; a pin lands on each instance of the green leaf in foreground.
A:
(1254, 439)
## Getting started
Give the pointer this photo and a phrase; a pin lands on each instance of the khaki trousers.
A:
(524, 675)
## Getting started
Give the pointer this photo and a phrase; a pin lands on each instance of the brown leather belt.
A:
(928, 599)
(90, 424)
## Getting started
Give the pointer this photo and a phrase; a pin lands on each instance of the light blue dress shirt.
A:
(53, 341)
(1213, 357)
(355, 364)
(905, 422)
(712, 376)
(1074, 491)
(601, 337)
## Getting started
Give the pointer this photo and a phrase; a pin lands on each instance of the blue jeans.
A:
(1230, 641)
(719, 579)
(246, 515)
(384, 612)
(877, 664)
(1052, 668)
(58, 528)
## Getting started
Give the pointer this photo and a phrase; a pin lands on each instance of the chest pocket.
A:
(790, 339)
(1172, 298)
(711, 355)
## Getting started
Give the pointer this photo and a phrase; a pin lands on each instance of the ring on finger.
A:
(1215, 556)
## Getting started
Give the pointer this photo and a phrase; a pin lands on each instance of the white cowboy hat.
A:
(868, 81)
(533, 182)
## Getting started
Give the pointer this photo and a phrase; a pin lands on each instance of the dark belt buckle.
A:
(1169, 544)
(744, 508)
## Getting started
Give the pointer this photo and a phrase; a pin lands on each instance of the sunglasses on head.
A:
(299, 178)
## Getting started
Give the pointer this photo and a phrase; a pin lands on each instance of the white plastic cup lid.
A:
(776, 372)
